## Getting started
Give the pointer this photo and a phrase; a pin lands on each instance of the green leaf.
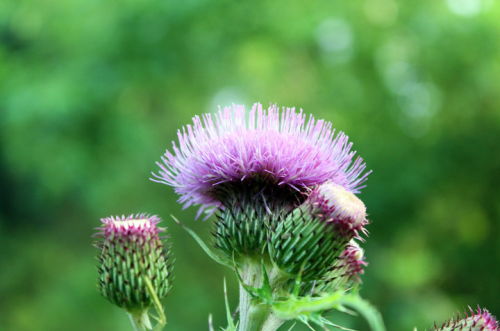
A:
(214, 256)
(309, 309)
(230, 323)
(294, 306)
(370, 313)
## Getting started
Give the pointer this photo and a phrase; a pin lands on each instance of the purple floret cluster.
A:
(282, 147)
(124, 226)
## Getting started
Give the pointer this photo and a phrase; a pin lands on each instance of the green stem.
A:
(272, 323)
(252, 315)
(140, 320)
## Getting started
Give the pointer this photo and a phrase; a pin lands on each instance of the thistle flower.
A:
(310, 240)
(131, 254)
(253, 167)
(270, 149)
(480, 320)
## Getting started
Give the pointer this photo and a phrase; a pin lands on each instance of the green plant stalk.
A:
(272, 323)
(140, 320)
(252, 315)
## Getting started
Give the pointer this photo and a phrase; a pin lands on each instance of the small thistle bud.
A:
(351, 262)
(480, 320)
(345, 271)
(131, 254)
(311, 238)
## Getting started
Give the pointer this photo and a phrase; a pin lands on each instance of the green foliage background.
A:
(92, 92)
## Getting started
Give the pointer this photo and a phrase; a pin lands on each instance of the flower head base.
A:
(479, 320)
(222, 155)
(242, 230)
(131, 251)
(303, 245)
(336, 205)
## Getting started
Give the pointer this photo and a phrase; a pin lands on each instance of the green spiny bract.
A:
(241, 232)
(343, 274)
(250, 208)
(302, 245)
(132, 252)
(310, 239)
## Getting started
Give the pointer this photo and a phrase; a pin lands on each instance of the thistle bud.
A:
(345, 271)
(480, 320)
(132, 252)
(340, 207)
(310, 239)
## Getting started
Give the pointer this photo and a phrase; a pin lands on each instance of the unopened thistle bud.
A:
(480, 320)
(345, 271)
(310, 240)
(132, 254)
(336, 205)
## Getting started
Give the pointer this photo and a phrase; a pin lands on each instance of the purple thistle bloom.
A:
(283, 149)
(480, 320)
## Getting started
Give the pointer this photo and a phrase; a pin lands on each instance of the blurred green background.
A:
(92, 92)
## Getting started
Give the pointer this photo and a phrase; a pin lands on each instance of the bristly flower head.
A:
(131, 250)
(271, 149)
(310, 240)
(480, 320)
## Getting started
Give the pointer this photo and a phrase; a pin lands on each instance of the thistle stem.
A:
(272, 323)
(252, 316)
(140, 320)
